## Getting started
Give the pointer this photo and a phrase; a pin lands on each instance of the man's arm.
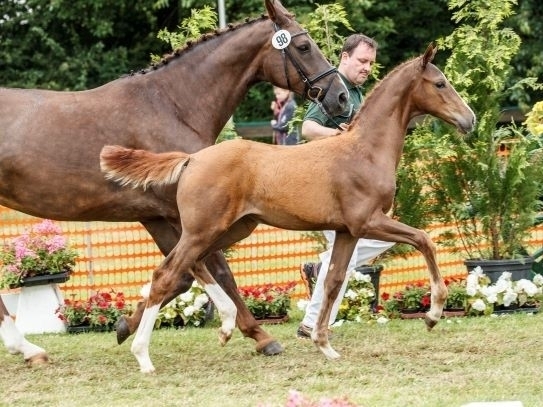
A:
(312, 130)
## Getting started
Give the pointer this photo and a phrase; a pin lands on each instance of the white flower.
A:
(146, 290)
(527, 286)
(471, 290)
(491, 293)
(350, 294)
(477, 271)
(302, 304)
(367, 293)
(200, 300)
(358, 276)
(382, 320)
(538, 279)
(506, 275)
(479, 305)
(503, 284)
(188, 311)
(187, 297)
(509, 297)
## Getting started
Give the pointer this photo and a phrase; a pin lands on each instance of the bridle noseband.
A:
(313, 93)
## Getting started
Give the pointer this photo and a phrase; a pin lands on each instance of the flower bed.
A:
(268, 300)
(102, 310)
(475, 295)
(191, 308)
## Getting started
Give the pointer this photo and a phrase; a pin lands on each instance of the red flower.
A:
(425, 301)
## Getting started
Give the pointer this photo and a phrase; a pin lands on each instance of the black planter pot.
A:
(374, 271)
(46, 279)
(519, 268)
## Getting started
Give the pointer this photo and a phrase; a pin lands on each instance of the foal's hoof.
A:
(123, 332)
(39, 359)
(272, 348)
(430, 323)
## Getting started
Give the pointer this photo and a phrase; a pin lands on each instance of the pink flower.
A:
(47, 227)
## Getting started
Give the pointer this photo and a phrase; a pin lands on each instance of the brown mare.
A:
(50, 141)
(225, 191)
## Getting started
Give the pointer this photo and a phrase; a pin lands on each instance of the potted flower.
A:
(458, 296)
(99, 312)
(356, 304)
(38, 256)
(490, 198)
(505, 295)
(269, 301)
(409, 302)
(191, 308)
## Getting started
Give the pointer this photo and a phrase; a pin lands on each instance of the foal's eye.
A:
(440, 85)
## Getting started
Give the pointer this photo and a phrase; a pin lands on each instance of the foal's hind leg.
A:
(242, 228)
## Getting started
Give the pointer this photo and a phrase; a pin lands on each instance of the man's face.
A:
(357, 66)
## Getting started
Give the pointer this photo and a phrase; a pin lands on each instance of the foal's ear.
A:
(278, 14)
(429, 54)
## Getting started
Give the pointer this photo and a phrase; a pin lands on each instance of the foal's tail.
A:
(141, 168)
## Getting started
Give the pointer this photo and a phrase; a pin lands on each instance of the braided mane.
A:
(194, 43)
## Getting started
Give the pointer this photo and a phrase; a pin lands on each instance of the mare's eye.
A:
(440, 85)
(304, 47)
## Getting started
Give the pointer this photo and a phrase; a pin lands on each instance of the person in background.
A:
(356, 60)
(283, 108)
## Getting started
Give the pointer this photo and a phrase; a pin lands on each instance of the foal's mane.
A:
(194, 43)
(377, 88)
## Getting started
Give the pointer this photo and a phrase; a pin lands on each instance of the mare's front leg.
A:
(393, 231)
(342, 252)
(15, 341)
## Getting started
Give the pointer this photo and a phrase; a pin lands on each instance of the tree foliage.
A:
(63, 44)
(491, 198)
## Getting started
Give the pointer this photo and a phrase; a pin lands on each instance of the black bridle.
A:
(313, 93)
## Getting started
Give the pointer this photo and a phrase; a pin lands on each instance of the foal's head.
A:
(433, 94)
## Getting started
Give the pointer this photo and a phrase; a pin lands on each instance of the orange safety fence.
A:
(122, 257)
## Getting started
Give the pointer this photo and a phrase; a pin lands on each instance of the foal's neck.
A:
(383, 118)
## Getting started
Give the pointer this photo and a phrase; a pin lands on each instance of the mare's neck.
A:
(208, 80)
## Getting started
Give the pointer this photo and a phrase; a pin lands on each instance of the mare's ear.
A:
(278, 14)
(429, 54)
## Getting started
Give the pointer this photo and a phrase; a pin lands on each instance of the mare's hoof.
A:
(123, 332)
(271, 349)
(430, 323)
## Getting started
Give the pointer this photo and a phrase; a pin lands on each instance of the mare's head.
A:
(433, 94)
(294, 62)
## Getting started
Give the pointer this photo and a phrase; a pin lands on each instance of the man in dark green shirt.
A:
(357, 58)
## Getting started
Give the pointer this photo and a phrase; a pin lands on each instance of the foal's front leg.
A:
(342, 252)
(393, 231)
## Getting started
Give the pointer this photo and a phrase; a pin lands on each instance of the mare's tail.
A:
(141, 168)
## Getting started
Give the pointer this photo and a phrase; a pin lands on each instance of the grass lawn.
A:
(395, 364)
